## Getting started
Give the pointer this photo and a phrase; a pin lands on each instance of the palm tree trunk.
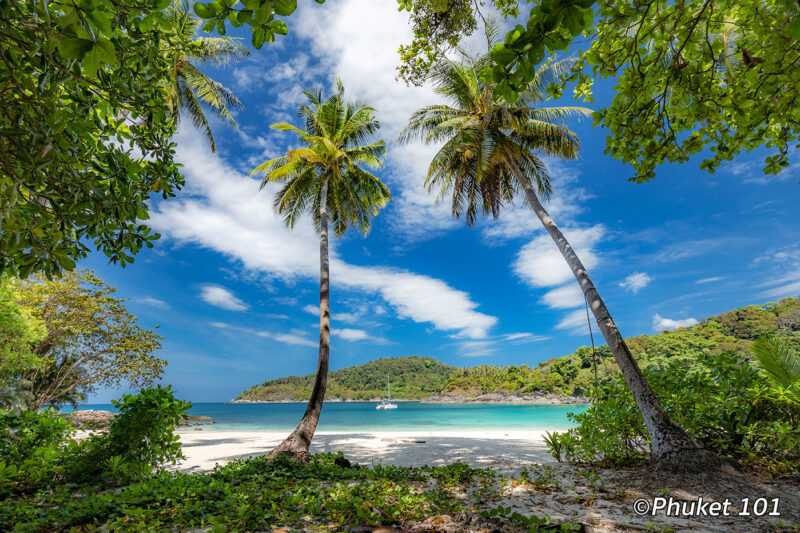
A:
(672, 448)
(297, 444)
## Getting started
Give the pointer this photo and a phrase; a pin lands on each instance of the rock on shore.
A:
(91, 419)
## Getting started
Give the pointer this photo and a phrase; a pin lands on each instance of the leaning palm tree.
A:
(326, 179)
(190, 90)
(491, 152)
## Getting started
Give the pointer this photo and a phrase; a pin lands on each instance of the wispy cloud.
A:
(222, 298)
(485, 347)
(568, 296)
(286, 338)
(576, 323)
(709, 280)
(153, 302)
(636, 281)
(350, 334)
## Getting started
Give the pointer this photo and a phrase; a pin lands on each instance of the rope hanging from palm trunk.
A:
(594, 358)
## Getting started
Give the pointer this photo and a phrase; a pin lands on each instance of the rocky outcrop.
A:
(196, 420)
(91, 419)
(537, 398)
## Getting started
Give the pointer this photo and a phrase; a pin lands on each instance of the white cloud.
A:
(636, 281)
(286, 338)
(522, 338)
(540, 264)
(311, 309)
(783, 272)
(790, 289)
(709, 280)
(484, 347)
(477, 348)
(153, 302)
(351, 334)
(222, 298)
(660, 323)
(567, 297)
(224, 211)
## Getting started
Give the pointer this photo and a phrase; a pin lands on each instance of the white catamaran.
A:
(387, 403)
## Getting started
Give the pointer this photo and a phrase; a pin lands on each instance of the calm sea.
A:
(362, 416)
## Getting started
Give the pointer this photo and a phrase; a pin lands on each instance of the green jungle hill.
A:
(419, 378)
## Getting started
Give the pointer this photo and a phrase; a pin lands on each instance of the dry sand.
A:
(505, 450)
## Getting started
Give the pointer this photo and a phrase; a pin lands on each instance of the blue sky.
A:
(235, 293)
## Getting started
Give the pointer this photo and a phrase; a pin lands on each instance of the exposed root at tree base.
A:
(292, 447)
(692, 461)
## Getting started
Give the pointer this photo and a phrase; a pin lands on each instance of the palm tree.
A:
(190, 89)
(489, 154)
(325, 178)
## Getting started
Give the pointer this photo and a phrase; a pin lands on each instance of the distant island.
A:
(556, 381)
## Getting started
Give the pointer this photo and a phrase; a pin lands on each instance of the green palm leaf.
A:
(191, 91)
(778, 360)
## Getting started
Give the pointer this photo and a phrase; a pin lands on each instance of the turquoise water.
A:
(362, 416)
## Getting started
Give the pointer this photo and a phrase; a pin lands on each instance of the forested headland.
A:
(421, 378)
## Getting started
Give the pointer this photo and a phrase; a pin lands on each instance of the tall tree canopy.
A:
(718, 76)
(91, 95)
(81, 336)
(85, 129)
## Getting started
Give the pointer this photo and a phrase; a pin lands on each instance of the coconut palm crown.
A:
(333, 153)
(190, 89)
(484, 139)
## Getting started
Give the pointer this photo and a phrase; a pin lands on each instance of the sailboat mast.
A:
(388, 388)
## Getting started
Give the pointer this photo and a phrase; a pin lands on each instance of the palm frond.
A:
(780, 363)
(192, 106)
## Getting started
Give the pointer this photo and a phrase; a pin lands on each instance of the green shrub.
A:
(723, 402)
(37, 449)
(140, 437)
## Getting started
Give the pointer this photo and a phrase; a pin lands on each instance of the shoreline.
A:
(578, 401)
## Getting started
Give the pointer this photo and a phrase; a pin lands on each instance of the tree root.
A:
(294, 446)
(692, 461)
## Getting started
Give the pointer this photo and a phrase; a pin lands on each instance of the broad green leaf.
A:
(74, 48)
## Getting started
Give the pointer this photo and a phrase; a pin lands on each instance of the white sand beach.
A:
(506, 450)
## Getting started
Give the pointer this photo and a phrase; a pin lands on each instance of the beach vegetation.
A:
(724, 401)
(327, 178)
(38, 449)
(491, 152)
(71, 335)
(254, 494)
